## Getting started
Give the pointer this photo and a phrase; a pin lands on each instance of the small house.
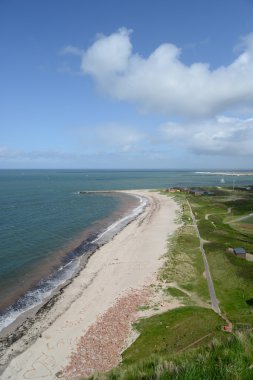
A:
(174, 190)
(208, 193)
(240, 252)
(197, 192)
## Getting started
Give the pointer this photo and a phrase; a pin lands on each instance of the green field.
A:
(232, 276)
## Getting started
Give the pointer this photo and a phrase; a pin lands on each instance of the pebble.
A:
(99, 349)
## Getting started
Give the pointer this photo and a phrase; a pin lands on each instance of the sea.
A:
(52, 220)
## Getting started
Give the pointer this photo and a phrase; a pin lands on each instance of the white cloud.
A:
(219, 136)
(196, 94)
(163, 83)
(123, 138)
(111, 137)
(72, 50)
(108, 57)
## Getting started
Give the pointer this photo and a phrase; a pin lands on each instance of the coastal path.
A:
(241, 218)
(214, 301)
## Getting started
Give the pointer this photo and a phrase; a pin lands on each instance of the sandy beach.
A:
(99, 304)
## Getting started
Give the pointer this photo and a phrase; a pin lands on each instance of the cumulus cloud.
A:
(108, 57)
(219, 136)
(195, 94)
(161, 82)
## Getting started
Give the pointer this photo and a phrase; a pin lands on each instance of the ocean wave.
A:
(36, 296)
(121, 223)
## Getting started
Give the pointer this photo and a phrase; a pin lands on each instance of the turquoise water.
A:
(45, 224)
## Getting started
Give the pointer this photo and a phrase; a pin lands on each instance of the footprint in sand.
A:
(40, 368)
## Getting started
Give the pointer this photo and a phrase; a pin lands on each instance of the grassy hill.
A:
(227, 359)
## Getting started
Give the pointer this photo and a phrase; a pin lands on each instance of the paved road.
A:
(215, 303)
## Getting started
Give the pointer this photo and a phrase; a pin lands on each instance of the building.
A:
(240, 252)
(196, 192)
(208, 193)
(174, 190)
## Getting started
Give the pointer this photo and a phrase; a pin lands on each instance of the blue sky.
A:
(126, 84)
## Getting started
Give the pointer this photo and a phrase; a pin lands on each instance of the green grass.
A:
(249, 220)
(242, 205)
(173, 331)
(184, 263)
(228, 358)
(244, 228)
(175, 292)
(232, 276)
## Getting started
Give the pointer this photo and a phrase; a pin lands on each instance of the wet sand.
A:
(125, 265)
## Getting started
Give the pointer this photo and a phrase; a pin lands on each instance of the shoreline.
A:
(111, 271)
(29, 319)
(87, 247)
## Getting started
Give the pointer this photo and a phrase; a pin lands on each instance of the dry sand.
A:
(117, 273)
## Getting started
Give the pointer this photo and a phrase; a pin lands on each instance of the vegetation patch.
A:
(232, 276)
(183, 261)
(175, 292)
(173, 331)
(249, 219)
(228, 358)
(244, 228)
